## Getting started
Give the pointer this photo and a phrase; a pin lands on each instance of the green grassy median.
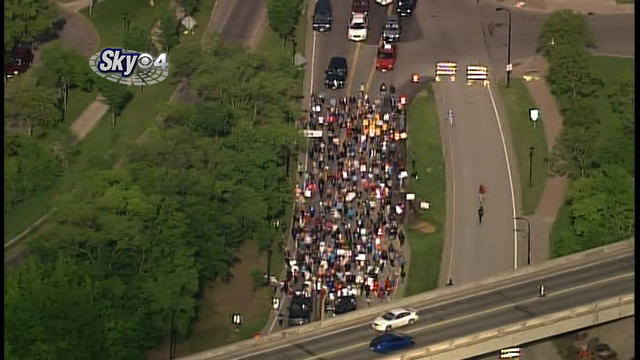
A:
(518, 102)
(425, 147)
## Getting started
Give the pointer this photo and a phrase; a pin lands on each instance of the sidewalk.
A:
(583, 6)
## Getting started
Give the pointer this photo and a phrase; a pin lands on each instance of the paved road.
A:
(238, 21)
(447, 318)
(613, 33)
(474, 151)
(475, 145)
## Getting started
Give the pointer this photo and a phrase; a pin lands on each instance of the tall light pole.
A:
(509, 46)
(531, 148)
(528, 238)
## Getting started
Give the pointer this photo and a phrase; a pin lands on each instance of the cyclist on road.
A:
(480, 213)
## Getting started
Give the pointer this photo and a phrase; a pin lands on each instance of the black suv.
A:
(336, 74)
(299, 311)
(406, 7)
(322, 18)
(392, 29)
(345, 304)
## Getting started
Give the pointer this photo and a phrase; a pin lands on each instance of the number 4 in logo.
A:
(161, 61)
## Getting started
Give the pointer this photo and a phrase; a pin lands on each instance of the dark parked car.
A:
(336, 74)
(406, 7)
(300, 310)
(322, 17)
(360, 7)
(20, 61)
(345, 304)
(390, 342)
(392, 29)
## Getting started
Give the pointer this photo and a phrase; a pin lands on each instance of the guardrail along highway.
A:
(451, 313)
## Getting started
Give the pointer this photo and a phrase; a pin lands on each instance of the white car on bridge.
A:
(395, 318)
(358, 27)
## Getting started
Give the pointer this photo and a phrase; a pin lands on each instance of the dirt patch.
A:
(89, 118)
(219, 302)
(425, 227)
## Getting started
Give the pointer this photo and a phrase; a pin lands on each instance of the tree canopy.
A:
(134, 244)
(25, 20)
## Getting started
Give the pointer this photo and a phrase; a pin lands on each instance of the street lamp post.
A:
(509, 46)
(531, 148)
(528, 238)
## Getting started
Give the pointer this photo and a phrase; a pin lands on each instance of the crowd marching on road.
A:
(347, 241)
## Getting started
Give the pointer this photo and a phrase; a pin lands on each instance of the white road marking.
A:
(513, 200)
(478, 314)
(336, 331)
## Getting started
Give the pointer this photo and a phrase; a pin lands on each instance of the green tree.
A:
(569, 73)
(190, 6)
(212, 119)
(175, 114)
(168, 31)
(33, 106)
(54, 312)
(602, 208)
(29, 168)
(25, 20)
(136, 38)
(575, 153)
(564, 28)
(117, 96)
(64, 69)
(283, 17)
(186, 61)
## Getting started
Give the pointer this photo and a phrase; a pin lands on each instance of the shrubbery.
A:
(600, 196)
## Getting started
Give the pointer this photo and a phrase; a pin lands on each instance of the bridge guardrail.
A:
(624, 304)
(458, 292)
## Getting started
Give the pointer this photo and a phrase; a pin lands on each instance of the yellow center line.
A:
(477, 314)
(373, 67)
(353, 71)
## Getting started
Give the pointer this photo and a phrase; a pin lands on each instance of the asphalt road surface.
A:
(442, 320)
(238, 21)
(474, 150)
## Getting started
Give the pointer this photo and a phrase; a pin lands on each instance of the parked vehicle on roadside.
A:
(322, 16)
(19, 62)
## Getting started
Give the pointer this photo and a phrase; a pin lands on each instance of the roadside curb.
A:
(580, 6)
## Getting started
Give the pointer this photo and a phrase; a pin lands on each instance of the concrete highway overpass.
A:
(584, 289)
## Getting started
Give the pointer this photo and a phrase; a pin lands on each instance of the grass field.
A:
(518, 102)
(610, 70)
(625, 1)
(108, 18)
(424, 144)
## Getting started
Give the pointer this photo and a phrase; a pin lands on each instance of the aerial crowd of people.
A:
(350, 202)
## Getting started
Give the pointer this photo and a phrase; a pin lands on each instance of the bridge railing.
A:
(522, 332)
(441, 294)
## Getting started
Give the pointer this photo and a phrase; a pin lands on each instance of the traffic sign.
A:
(509, 67)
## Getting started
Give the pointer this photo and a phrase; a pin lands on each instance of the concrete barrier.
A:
(525, 331)
(442, 294)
